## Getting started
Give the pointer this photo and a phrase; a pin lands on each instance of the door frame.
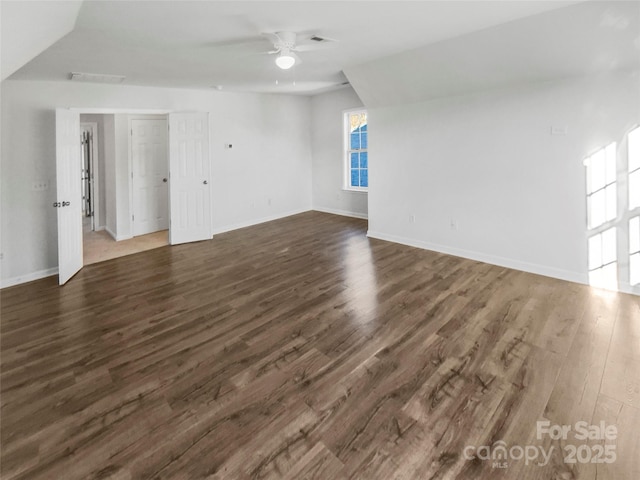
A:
(149, 111)
(130, 112)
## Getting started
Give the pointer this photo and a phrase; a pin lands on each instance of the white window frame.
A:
(609, 185)
(599, 264)
(633, 167)
(634, 251)
(346, 157)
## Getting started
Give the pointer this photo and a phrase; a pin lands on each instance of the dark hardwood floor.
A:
(301, 349)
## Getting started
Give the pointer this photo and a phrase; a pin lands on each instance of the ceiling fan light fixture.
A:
(285, 60)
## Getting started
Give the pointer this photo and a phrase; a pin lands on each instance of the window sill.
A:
(358, 190)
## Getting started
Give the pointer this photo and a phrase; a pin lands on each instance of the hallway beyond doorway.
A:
(100, 246)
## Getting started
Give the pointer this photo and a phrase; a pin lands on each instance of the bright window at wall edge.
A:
(603, 265)
(601, 186)
(356, 143)
(634, 251)
(634, 168)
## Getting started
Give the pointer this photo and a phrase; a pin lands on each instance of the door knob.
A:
(164, 180)
(204, 183)
(66, 204)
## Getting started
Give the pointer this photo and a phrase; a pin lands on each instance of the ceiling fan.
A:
(286, 44)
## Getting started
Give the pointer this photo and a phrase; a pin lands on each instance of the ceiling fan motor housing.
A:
(286, 40)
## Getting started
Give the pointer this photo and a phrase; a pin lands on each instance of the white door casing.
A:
(189, 177)
(150, 176)
(69, 194)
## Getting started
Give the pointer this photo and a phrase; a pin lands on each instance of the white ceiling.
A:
(589, 38)
(29, 28)
(194, 44)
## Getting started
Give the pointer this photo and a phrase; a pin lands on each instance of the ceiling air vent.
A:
(316, 38)
(96, 77)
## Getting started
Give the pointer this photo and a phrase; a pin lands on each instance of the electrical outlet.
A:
(412, 218)
(453, 224)
(269, 201)
(40, 186)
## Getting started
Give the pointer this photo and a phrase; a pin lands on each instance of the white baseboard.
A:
(99, 229)
(116, 237)
(625, 287)
(113, 235)
(544, 270)
(344, 213)
(249, 223)
(29, 277)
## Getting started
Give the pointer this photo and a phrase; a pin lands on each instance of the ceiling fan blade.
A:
(237, 42)
(272, 37)
(312, 47)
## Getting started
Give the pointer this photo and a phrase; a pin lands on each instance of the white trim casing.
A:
(346, 161)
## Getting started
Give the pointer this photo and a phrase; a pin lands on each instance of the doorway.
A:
(139, 143)
(189, 200)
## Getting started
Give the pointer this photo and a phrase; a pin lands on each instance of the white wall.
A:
(488, 162)
(109, 142)
(267, 174)
(122, 177)
(328, 154)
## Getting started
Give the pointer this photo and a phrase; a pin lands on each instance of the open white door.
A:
(69, 194)
(189, 177)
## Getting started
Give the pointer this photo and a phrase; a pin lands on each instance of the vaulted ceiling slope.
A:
(29, 28)
(583, 39)
(200, 44)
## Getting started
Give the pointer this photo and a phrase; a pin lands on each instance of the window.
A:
(634, 168)
(356, 142)
(603, 268)
(634, 203)
(601, 186)
(634, 251)
(602, 210)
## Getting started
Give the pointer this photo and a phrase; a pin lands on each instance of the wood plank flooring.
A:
(301, 349)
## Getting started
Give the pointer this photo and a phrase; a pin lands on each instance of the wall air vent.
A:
(96, 77)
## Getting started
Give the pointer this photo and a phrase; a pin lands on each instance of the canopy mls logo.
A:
(500, 454)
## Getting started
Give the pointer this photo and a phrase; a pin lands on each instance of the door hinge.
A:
(133, 217)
